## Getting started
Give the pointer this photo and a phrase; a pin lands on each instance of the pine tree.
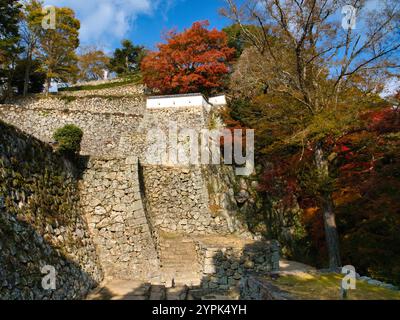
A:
(9, 37)
(126, 60)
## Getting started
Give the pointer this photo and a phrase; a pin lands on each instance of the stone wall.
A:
(177, 201)
(112, 201)
(186, 118)
(228, 196)
(189, 199)
(225, 265)
(41, 223)
(129, 206)
(117, 91)
(255, 287)
(129, 105)
(102, 130)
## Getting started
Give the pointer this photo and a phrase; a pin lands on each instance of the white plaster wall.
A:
(218, 100)
(178, 102)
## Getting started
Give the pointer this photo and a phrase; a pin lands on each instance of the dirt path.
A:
(288, 267)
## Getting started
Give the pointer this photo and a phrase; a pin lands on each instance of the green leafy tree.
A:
(126, 60)
(57, 48)
(92, 63)
(9, 39)
(237, 38)
(36, 78)
(30, 29)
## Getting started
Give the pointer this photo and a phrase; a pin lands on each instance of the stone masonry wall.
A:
(105, 122)
(41, 223)
(225, 266)
(130, 105)
(191, 200)
(256, 287)
(111, 200)
(177, 201)
(118, 91)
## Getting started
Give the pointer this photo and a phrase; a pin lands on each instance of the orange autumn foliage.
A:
(196, 60)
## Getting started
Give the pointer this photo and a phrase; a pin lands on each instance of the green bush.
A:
(68, 139)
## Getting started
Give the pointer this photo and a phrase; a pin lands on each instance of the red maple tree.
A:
(196, 60)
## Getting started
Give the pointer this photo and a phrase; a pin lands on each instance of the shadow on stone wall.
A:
(40, 222)
(236, 277)
(143, 192)
(23, 254)
(226, 270)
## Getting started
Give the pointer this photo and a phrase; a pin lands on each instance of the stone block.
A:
(210, 269)
(131, 161)
(120, 207)
(100, 211)
(139, 214)
(137, 205)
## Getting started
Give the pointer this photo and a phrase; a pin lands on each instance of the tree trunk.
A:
(47, 87)
(10, 76)
(27, 72)
(331, 234)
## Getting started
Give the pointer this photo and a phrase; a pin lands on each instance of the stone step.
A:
(177, 293)
(178, 258)
(122, 290)
(168, 274)
(179, 272)
(190, 264)
(171, 274)
(175, 244)
(190, 277)
(184, 264)
(178, 251)
(157, 293)
(186, 256)
(189, 282)
(179, 264)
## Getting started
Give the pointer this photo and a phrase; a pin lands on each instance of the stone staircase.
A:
(138, 290)
(180, 273)
(179, 263)
(180, 276)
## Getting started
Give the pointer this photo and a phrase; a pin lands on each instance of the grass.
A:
(327, 287)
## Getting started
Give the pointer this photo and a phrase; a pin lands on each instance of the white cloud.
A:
(105, 21)
(391, 88)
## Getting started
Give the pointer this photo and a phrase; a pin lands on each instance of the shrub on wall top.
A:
(68, 139)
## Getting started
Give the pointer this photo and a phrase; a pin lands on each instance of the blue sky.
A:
(182, 14)
(106, 22)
